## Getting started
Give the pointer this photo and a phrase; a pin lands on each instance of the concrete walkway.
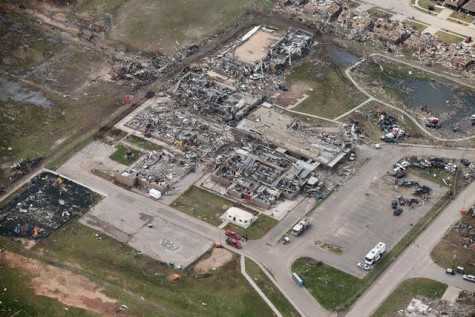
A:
(445, 13)
(258, 290)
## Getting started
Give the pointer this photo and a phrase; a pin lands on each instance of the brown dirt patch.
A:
(218, 258)
(295, 92)
(255, 48)
(69, 288)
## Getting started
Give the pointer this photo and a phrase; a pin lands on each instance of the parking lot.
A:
(144, 224)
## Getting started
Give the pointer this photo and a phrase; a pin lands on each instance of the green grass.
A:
(402, 296)
(449, 37)
(332, 93)
(97, 8)
(419, 26)
(120, 155)
(123, 270)
(203, 205)
(270, 290)
(468, 18)
(258, 229)
(378, 13)
(167, 25)
(348, 293)
(18, 299)
(425, 5)
(147, 145)
(330, 286)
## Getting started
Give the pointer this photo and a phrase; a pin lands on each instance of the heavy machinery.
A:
(375, 254)
(299, 228)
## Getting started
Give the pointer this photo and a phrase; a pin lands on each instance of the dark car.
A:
(394, 204)
(397, 211)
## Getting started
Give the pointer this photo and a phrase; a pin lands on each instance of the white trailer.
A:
(375, 254)
(301, 227)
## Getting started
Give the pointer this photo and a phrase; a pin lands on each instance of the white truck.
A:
(375, 254)
(301, 227)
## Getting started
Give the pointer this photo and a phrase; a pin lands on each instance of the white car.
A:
(364, 266)
(469, 277)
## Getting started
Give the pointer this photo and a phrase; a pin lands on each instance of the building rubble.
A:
(423, 306)
(337, 17)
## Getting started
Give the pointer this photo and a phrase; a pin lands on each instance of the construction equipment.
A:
(299, 228)
(375, 254)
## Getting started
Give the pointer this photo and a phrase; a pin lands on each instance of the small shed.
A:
(239, 217)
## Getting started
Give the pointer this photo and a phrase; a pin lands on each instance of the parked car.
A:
(234, 243)
(468, 39)
(364, 266)
(233, 234)
(394, 204)
(450, 271)
(469, 277)
(398, 211)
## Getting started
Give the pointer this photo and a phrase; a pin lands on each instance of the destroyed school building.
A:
(339, 18)
(216, 113)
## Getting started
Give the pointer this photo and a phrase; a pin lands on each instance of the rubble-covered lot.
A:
(339, 19)
(48, 202)
(459, 242)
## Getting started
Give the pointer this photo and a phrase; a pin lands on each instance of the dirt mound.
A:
(67, 287)
(218, 258)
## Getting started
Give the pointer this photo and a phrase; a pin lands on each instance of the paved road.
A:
(403, 7)
(415, 259)
(278, 258)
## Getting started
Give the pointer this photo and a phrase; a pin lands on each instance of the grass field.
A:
(449, 37)
(378, 13)
(144, 144)
(225, 292)
(468, 18)
(270, 290)
(120, 155)
(330, 286)
(165, 26)
(203, 205)
(18, 299)
(258, 229)
(331, 94)
(322, 280)
(419, 26)
(402, 296)
(444, 251)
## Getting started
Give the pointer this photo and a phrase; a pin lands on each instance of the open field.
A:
(450, 246)
(120, 155)
(419, 26)
(329, 92)
(270, 290)
(330, 286)
(449, 37)
(468, 18)
(402, 296)
(140, 142)
(168, 25)
(203, 205)
(106, 260)
(52, 91)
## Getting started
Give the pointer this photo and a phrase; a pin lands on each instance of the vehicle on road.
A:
(469, 277)
(450, 271)
(363, 266)
(234, 243)
(299, 228)
(286, 240)
(233, 234)
(394, 204)
(375, 254)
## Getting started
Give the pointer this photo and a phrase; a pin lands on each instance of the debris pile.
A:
(47, 203)
(389, 125)
(423, 306)
(467, 234)
(330, 16)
